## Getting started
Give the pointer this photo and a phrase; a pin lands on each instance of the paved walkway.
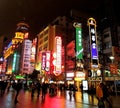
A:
(62, 100)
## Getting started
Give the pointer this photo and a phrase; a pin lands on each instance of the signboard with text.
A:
(113, 69)
(79, 48)
(93, 42)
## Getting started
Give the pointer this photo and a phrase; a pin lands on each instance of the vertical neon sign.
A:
(33, 50)
(43, 60)
(93, 42)
(79, 48)
(47, 61)
(14, 62)
(58, 51)
(26, 66)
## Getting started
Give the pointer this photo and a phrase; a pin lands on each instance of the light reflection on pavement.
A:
(61, 100)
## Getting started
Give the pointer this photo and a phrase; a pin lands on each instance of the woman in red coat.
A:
(99, 94)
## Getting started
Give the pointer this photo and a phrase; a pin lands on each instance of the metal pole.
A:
(112, 58)
(115, 86)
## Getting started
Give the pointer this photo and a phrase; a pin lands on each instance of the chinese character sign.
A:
(58, 45)
(93, 41)
(79, 48)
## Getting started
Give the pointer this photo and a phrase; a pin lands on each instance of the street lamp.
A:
(112, 59)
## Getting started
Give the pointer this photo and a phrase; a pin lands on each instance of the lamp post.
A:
(112, 60)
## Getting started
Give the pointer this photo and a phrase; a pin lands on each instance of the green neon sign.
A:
(19, 77)
(79, 48)
(14, 62)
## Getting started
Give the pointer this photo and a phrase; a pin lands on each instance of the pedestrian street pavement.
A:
(61, 100)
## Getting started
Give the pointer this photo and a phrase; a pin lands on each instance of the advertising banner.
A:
(113, 69)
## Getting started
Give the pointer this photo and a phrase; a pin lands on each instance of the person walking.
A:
(38, 88)
(44, 91)
(33, 87)
(18, 87)
(81, 87)
(3, 87)
(99, 94)
(106, 95)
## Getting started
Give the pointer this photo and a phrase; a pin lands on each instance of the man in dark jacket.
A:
(17, 88)
(44, 91)
(106, 95)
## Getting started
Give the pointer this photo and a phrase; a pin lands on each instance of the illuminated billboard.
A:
(58, 50)
(26, 66)
(93, 42)
(43, 60)
(33, 50)
(47, 68)
(85, 84)
(46, 61)
(15, 63)
(79, 48)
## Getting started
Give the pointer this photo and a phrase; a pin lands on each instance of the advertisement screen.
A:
(85, 84)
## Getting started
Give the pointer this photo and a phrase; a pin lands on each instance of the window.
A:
(107, 45)
(46, 38)
(40, 48)
(26, 65)
(45, 46)
(41, 36)
(106, 35)
(41, 41)
(46, 32)
(26, 60)
(25, 69)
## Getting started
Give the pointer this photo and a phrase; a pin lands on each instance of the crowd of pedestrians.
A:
(103, 93)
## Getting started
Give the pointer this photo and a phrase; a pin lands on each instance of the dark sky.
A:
(38, 13)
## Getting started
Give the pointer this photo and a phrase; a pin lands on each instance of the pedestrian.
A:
(8, 86)
(3, 87)
(38, 88)
(99, 94)
(33, 87)
(106, 95)
(44, 91)
(70, 94)
(17, 88)
(70, 91)
(81, 87)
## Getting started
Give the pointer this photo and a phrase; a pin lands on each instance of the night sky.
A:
(38, 13)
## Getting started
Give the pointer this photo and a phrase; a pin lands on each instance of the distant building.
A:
(60, 27)
(13, 51)
(110, 46)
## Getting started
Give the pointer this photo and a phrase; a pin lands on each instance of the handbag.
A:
(101, 103)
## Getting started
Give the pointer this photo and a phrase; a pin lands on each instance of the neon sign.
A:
(58, 43)
(93, 42)
(47, 61)
(26, 56)
(43, 60)
(79, 48)
(14, 62)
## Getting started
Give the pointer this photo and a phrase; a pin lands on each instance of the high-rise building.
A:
(13, 51)
(60, 27)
